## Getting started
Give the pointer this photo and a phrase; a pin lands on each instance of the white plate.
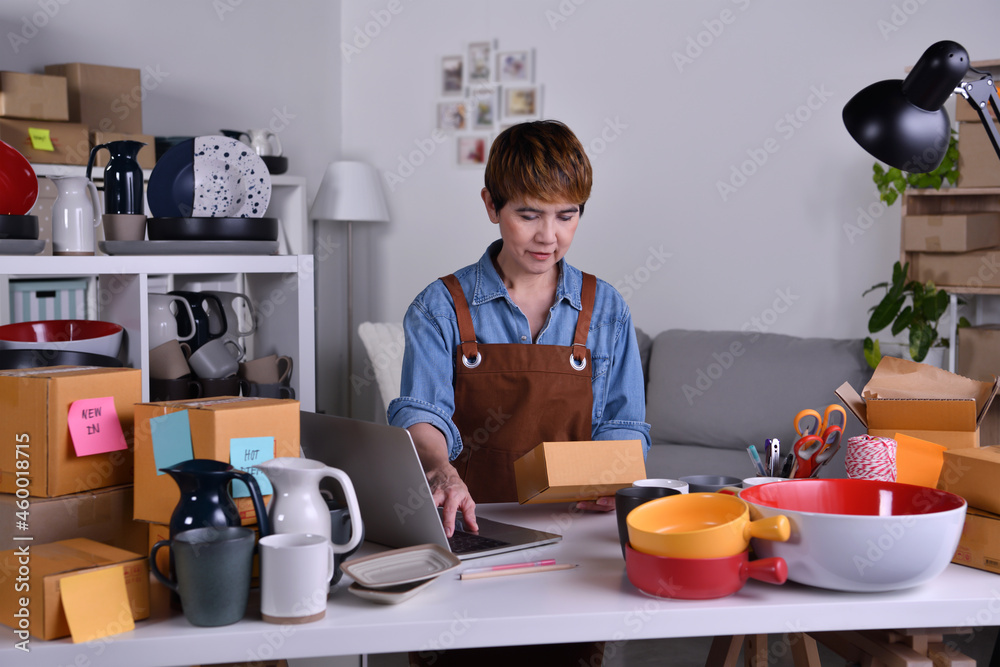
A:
(401, 566)
(391, 594)
(21, 246)
(230, 180)
(188, 247)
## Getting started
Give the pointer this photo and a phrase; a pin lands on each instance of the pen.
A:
(510, 566)
(517, 570)
(755, 458)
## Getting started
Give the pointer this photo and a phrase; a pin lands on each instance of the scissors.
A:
(811, 451)
(816, 425)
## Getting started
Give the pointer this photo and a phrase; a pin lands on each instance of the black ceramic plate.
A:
(19, 227)
(11, 359)
(212, 229)
(170, 190)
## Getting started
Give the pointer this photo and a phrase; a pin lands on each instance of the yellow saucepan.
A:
(699, 525)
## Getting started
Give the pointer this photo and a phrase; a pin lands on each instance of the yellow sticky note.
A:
(918, 461)
(96, 604)
(41, 139)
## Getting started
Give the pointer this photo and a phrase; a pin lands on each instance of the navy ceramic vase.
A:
(122, 177)
(205, 501)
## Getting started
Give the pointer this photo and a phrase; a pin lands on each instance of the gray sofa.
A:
(711, 393)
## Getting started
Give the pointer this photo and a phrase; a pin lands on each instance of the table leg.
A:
(805, 653)
(725, 651)
(755, 651)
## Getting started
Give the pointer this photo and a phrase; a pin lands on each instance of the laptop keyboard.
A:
(462, 543)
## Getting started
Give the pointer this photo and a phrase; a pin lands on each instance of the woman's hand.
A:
(603, 504)
(448, 490)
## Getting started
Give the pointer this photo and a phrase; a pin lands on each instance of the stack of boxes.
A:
(56, 117)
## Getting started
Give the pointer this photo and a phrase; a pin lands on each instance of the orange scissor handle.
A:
(828, 414)
(813, 422)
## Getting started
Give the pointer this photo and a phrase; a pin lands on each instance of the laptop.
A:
(393, 494)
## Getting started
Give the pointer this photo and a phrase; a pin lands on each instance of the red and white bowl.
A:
(860, 535)
(93, 336)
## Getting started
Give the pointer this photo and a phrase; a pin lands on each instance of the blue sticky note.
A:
(171, 439)
(245, 453)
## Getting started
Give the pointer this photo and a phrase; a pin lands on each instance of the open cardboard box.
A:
(556, 472)
(921, 401)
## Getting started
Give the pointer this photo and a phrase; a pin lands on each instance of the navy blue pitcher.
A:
(122, 177)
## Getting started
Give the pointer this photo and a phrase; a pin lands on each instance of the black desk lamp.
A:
(902, 123)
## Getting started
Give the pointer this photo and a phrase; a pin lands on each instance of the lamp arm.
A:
(979, 94)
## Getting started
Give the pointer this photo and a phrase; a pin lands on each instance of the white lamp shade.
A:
(350, 191)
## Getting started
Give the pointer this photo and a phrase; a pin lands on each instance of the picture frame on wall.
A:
(478, 56)
(521, 103)
(472, 150)
(452, 116)
(515, 67)
(451, 75)
(482, 111)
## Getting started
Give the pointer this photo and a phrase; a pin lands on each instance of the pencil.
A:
(516, 570)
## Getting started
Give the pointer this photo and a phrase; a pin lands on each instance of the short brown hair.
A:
(541, 159)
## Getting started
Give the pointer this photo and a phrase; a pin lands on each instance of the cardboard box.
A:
(147, 154)
(555, 472)
(921, 401)
(213, 423)
(972, 474)
(35, 405)
(979, 546)
(33, 96)
(950, 233)
(103, 98)
(102, 515)
(978, 163)
(979, 268)
(978, 352)
(70, 141)
(47, 565)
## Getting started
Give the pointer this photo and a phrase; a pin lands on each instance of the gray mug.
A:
(213, 567)
(266, 389)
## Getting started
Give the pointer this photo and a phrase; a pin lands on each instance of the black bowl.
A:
(19, 227)
(212, 229)
(15, 359)
(276, 164)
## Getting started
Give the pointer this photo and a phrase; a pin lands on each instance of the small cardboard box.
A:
(921, 401)
(104, 98)
(213, 423)
(102, 515)
(951, 233)
(46, 565)
(978, 268)
(978, 165)
(70, 143)
(33, 96)
(555, 472)
(979, 546)
(147, 154)
(972, 474)
(35, 404)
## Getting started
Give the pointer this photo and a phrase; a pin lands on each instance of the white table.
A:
(592, 602)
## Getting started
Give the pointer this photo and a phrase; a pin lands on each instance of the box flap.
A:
(853, 401)
(922, 414)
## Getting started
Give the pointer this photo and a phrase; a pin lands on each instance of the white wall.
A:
(683, 130)
(219, 63)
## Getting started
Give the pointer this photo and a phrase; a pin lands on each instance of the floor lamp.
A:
(350, 192)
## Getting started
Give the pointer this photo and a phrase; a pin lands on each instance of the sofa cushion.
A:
(729, 389)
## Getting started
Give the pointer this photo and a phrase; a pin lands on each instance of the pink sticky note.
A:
(94, 427)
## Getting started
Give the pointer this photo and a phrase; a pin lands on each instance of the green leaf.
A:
(963, 322)
(873, 354)
(875, 287)
(921, 339)
(885, 312)
(902, 321)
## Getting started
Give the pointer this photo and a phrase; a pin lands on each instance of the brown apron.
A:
(510, 397)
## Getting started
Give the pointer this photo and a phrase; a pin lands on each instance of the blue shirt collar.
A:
(489, 286)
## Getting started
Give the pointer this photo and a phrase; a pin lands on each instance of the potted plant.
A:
(907, 305)
(892, 182)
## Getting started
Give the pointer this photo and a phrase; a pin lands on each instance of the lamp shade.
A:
(350, 191)
(901, 122)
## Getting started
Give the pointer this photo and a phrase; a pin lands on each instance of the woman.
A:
(521, 347)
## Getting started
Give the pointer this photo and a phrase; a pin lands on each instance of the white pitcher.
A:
(260, 141)
(74, 216)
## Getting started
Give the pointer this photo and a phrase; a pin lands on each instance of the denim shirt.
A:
(427, 391)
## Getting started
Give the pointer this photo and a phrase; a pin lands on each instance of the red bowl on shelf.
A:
(93, 336)
(18, 183)
(699, 578)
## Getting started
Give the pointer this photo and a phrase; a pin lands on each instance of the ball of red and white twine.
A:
(869, 457)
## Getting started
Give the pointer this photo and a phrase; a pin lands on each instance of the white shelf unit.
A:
(280, 287)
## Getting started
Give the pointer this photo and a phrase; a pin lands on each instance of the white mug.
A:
(295, 574)
(683, 487)
(163, 322)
